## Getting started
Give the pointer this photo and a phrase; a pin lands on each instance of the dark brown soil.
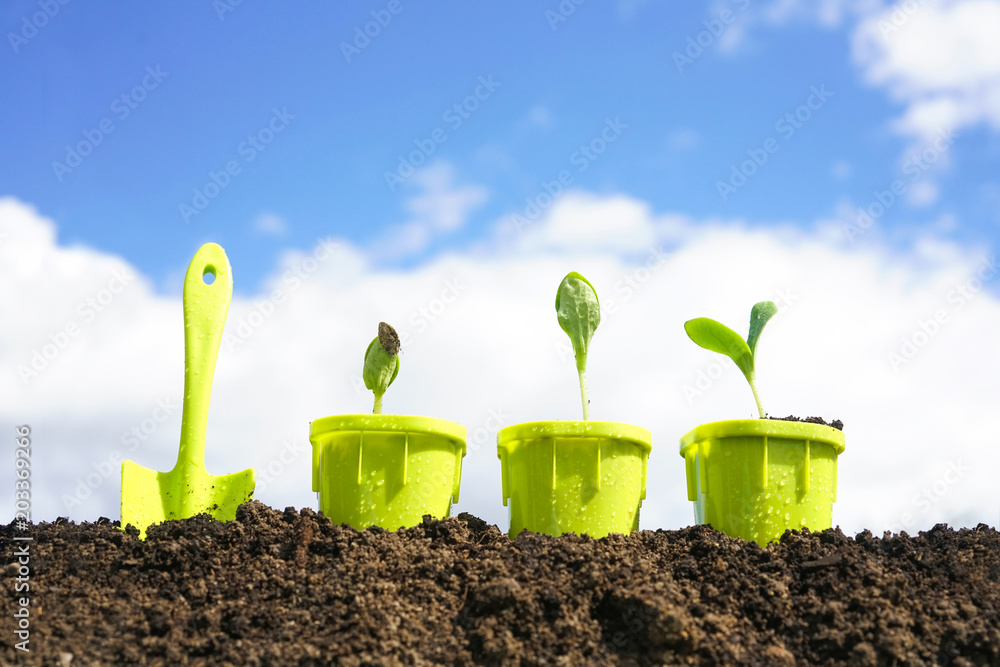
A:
(836, 423)
(290, 588)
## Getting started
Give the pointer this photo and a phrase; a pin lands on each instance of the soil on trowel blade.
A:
(290, 588)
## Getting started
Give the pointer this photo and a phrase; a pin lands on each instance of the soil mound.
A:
(290, 588)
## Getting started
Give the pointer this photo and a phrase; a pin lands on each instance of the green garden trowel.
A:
(150, 497)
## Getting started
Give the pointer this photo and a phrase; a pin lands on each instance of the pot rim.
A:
(580, 428)
(740, 428)
(392, 423)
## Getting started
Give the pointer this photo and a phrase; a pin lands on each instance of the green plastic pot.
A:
(386, 470)
(573, 476)
(755, 478)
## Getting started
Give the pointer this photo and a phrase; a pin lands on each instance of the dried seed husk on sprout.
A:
(381, 363)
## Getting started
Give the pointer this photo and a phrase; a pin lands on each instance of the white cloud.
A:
(496, 348)
(627, 9)
(540, 116)
(683, 139)
(922, 193)
(495, 156)
(581, 221)
(942, 59)
(828, 13)
(270, 225)
(441, 207)
(841, 170)
(939, 59)
(733, 39)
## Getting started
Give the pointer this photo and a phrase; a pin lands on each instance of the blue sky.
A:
(838, 157)
(226, 71)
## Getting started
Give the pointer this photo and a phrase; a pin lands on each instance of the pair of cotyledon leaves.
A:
(717, 337)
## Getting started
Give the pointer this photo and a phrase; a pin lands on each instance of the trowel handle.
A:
(205, 308)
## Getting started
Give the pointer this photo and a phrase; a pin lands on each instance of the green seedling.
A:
(381, 363)
(717, 337)
(579, 313)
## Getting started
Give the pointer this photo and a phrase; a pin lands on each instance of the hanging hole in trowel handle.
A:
(208, 275)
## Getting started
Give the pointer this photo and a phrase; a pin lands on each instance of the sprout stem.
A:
(583, 393)
(753, 388)
(378, 404)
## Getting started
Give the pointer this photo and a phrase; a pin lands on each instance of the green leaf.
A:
(759, 316)
(579, 313)
(380, 367)
(717, 337)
